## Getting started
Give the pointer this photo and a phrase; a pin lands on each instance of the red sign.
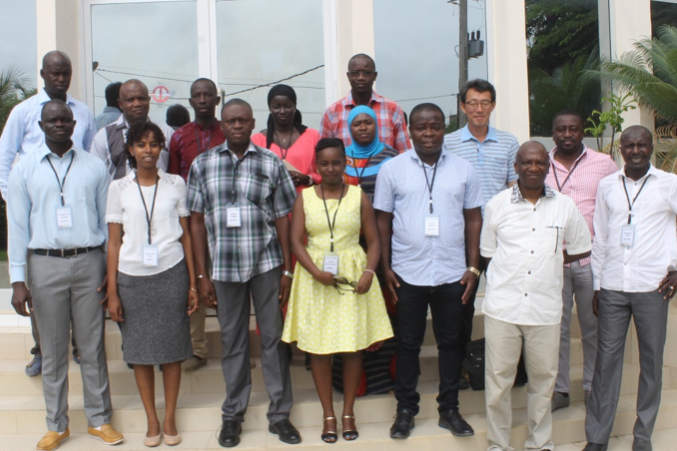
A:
(160, 94)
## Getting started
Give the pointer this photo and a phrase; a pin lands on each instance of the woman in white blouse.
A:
(151, 277)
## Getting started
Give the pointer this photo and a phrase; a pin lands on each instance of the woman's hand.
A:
(115, 308)
(300, 179)
(365, 282)
(325, 278)
(193, 299)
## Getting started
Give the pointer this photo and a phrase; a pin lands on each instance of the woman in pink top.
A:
(288, 138)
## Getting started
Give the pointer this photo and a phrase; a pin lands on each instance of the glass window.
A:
(155, 42)
(260, 42)
(18, 35)
(663, 12)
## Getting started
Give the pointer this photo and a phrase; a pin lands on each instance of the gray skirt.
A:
(156, 328)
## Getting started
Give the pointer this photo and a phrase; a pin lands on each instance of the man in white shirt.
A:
(634, 266)
(523, 234)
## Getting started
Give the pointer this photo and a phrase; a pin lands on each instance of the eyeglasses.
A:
(475, 104)
(342, 285)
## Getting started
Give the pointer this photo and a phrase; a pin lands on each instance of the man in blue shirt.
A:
(55, 209)
(427, 206)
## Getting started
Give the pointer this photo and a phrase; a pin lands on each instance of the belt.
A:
(65, 252)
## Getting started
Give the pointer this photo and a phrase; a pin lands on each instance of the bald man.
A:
(522, 235)
(109, 142)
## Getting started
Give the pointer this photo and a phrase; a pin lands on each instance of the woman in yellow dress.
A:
(336, 305)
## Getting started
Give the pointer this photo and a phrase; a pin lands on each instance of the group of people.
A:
(315, 229)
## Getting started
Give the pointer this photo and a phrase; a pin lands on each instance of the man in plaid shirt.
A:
(392, 128)
(239, 196)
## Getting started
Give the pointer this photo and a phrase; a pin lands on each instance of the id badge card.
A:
(627, 235)
(150, 255)
(64, 218)
(330, 264)
(233, 218)
(432, 226)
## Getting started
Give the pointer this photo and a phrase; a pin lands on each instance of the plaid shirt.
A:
(262, 188)
(391, 127)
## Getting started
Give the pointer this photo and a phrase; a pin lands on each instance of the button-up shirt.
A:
(22, 134)
(392, 129)
(401, 189)
(580, 182)
(260, 186)
(33, 199)
(524, 242)
(108, 114)
(190, 141)
(493, 159)
(640, 267)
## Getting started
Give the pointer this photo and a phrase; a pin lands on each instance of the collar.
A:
(43, 151)
(516, 195)
(43, 98)
(467, 136)
(212, 125)
(652, 171)
(250, 149)
(580, 157)
(414, 156)
(132, 175)
(375, 98)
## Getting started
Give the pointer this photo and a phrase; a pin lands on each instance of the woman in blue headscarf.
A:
(367, 152)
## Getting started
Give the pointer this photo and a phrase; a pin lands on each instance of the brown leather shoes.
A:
(107, 434)
(52, 440)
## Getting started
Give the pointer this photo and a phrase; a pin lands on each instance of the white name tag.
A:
(627, 235)
(64, 218)
(330, 264)
(432, 226)
(233, 217)
(150, 255)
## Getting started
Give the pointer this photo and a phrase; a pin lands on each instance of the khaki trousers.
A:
(502, 352)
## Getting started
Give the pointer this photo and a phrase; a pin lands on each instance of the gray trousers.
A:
(650, 313)
(233, 313)
(64, 295)
(578, 286)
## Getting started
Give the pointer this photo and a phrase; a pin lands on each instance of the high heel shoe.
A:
(328, 432)
(349, 428)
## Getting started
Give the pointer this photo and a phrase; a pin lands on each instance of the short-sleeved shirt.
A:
(190, 141)
(401, 189)
(493, 159)
(392, 128)
(124, 206)
(524, 242)
(260, 187)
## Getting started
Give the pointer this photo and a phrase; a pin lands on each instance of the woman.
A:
(288, 138)
(367, 152)
(335, 305)
(151, 278)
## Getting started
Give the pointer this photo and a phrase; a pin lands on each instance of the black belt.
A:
(65, 252)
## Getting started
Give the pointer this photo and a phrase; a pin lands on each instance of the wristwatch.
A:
(474, 270)
(288, 274)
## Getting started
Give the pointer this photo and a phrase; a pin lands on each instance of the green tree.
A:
(12, 91)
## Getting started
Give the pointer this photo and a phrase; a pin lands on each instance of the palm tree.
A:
(12, 91)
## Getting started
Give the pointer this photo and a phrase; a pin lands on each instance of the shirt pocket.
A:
(259, 189)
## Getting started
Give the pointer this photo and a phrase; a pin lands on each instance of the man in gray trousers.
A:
(56, 204)
(634, 266)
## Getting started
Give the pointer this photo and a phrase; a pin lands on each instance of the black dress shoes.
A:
(595, 447)
(452, 420)
(404, 423)
(230, 433)
(285, 431)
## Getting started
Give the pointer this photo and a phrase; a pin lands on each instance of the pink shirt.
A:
(581, 181)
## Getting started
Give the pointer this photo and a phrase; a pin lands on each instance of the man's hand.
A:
(392, 284)
(364, 283)
(299, 179)
(595, 303)
(103, 289)
(469, 281)
(21, 298)
(115, 309)
(207, 292)
(285, 286)
(668, 285)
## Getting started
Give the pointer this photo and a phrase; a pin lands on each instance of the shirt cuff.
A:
(17, 273)
(595, 283)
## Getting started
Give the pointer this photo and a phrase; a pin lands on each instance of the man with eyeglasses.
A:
(392, 127)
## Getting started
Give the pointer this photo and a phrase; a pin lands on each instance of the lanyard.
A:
(360, 174)
(430, 184)
(197, 141)
(331, 223)
(631, 204)
(63, 181)
(554, 172)
(236, 166)
(149, 217)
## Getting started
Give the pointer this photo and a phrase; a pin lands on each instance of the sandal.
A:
(349, 428)
(329, 432)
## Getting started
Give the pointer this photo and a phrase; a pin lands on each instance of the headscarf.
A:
(358, 151)
(288, 92)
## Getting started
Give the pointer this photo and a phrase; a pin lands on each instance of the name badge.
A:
(627, 235)
(432, 226)
(233, 218)
(330, 264)
(64, 218)
(150, 255)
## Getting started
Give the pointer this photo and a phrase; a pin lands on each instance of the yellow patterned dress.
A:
(323, 319)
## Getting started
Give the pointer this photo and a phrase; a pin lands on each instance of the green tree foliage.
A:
(12, 91)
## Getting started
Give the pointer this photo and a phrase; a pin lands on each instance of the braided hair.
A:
(285, 91)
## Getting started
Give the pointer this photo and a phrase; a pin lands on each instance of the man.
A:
(109, 142)
(428, 212)
(239, 196)
(361, 74)
(523, 232)
(56, 207)
(576, 171)
(22, 135)
(634, 268)
(490, 151)
(110, 111)
(187, 143)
